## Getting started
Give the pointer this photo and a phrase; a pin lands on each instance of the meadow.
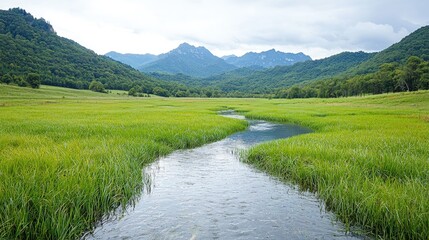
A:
(368, 158)
(67, 157)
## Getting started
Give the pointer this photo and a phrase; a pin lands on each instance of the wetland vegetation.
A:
(69, 156)
(64, 162)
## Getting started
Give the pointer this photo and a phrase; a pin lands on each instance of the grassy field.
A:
(64, 161)
(68, 156)
(368, 158)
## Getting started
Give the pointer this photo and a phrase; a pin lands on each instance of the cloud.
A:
(371, 36)
(317, 28)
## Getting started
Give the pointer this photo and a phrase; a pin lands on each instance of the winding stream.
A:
(207, 193)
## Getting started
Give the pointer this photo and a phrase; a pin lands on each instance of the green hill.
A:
(415, 44)
(283, 76)
(343, 66)
(30, 45)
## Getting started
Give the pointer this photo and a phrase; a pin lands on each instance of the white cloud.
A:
(317, 28)
(371, 36)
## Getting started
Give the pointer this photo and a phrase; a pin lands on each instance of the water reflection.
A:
(207, 193)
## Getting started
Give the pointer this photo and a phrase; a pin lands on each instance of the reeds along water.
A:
(64, 165)
(368, 161)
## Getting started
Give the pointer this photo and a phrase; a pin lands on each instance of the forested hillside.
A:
(283, 76)
(31, 46)
(412, 75)
(31, 53)
(415, 44)
(402, 67)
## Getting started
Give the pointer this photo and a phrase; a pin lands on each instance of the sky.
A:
(315, 27)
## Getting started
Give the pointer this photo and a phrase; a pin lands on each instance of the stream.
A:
(207, 193)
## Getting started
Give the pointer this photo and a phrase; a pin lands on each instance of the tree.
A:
(97, 86)
(161, 92)
(20, 81)
(132, 91)
(34, 80)
(295, 92)
(424, 76)
(409, 76)
(181, 93)
(7, 78)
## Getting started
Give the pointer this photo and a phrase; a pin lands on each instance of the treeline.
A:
(184, 91)
(28, 80)
(413, 75)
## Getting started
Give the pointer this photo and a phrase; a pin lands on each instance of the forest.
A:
(391, 77)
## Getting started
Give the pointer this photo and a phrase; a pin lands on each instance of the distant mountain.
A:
(342, 66)
(256, 79)
(134, 60)
(283, 76)
(30, 45)
(188, 60)
(415, 44)
(267, 59)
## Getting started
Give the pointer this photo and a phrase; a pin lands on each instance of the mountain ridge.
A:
(267, 59)
(134, 60)
(190, 60)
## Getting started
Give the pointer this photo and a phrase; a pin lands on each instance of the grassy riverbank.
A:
(368, 158)
(67, 156)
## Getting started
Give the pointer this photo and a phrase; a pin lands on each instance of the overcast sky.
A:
(315, 27)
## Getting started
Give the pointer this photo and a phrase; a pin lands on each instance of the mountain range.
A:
(200, 62)
(30, 45)
(134, 60)
(267, 59)
(342, 65)
(189, 60)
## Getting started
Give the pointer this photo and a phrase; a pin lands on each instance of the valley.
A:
(263, 144)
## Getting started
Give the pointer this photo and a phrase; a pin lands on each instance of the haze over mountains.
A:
(200, 62)
(134, 60)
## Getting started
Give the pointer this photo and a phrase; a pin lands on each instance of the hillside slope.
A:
(415, 44)
(283, 76)
(30, 45)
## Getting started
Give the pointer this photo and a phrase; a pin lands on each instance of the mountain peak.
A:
(267, 59)
(188, 49)
(190, 60)
(20, 16)
(186, 45)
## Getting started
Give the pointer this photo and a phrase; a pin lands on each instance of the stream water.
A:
(207, 193)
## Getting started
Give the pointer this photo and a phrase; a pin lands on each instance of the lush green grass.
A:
(66, 161)
(368, 158)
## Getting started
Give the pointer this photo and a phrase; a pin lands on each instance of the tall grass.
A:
(67, 157)
(368, 158)
(66, 162)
